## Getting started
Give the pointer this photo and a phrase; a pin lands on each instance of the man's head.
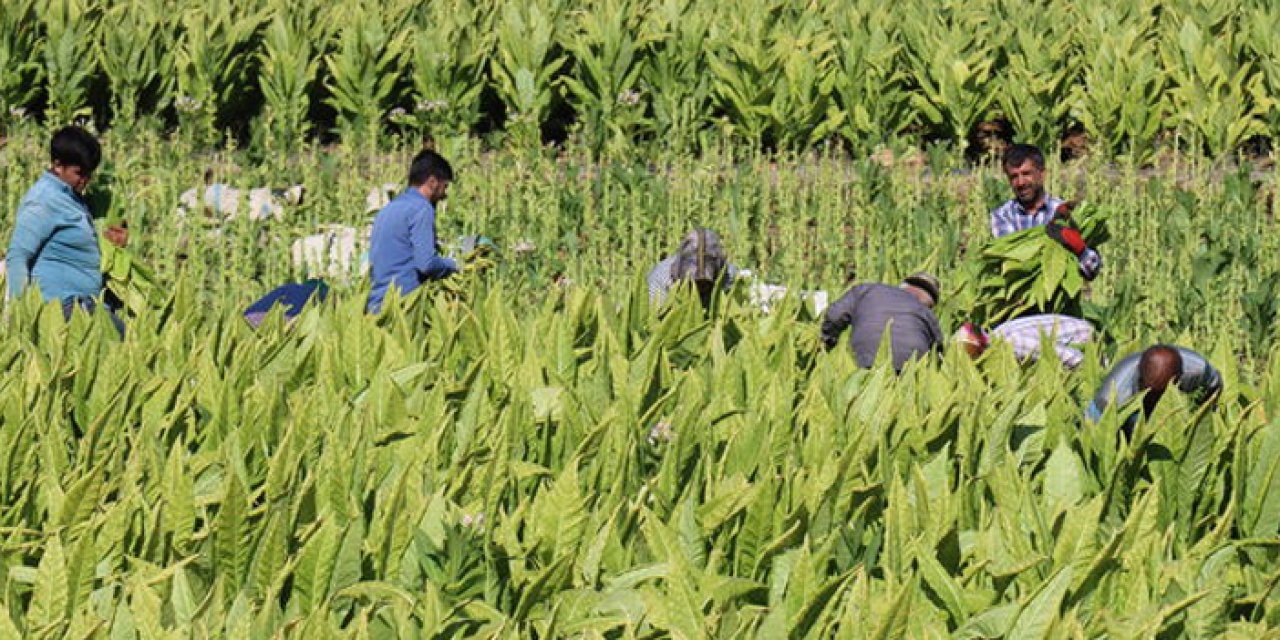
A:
(701, 260)
(74, 155)
(1024, 167)
(924, 286)
(1158, 367)
(430, 174)
(972, 340)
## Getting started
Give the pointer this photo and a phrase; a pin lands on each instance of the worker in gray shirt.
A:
(701, 260)
(1153, 371)
(869, 309)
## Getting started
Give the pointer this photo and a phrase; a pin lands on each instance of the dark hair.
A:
(429, 164)
(75, 147)
(1017, 154)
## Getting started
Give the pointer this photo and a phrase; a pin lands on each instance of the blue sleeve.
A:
(31, 230)
(429, 264)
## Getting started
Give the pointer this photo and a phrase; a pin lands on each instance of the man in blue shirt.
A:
(402, 249)
(54, 242)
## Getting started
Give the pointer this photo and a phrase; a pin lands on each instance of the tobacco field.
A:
(537, 451)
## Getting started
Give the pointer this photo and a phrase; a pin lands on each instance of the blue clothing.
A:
(1198, 377)
(293, 297)
(54, 243)
(1012, 217)
(402, 248)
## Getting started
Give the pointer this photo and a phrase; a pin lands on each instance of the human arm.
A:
(1065, 233)
(427, 260)
(840, 315)
(30, 232)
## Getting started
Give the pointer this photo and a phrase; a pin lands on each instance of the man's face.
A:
(435, 190)
(1027, 181)
(75, 177)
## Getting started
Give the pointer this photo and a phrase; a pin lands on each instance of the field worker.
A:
(1026, 334)
(54, 243)
(869, 309)
(1031, 207)
(700, 260)
(1152, 371)
(403, 252)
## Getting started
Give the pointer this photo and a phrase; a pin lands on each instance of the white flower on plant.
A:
(397, 112)
(629, 98)
(431, 105)
(476, 520)
(661, 432)
(186, 104)
(523, 245)
(17, 112)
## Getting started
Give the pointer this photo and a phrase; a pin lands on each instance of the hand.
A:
(117, 234)
(1090, 264)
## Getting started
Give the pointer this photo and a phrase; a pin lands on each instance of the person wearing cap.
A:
(700, 260)
(1032, 207)
(869, 309)
(403, 249)
(1149, 374)
(1026, 335)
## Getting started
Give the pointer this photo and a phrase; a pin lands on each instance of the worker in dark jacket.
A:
(869, 309)
(1153, 371)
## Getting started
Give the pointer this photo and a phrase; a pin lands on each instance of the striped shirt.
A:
(1026, 336)
(1012, 217)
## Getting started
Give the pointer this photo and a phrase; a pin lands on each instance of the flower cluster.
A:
(629, 98)
(661, 432)
(187, 104)
(431, 105)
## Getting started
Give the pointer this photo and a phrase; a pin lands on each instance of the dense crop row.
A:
(790, 74)
(586, 466)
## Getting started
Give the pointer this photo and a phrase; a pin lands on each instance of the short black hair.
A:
(1017, 154)
(75, 147)
(429, 164)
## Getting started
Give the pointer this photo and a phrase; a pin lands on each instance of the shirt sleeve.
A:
(30, 232)
(931, 321)
(840, 315)
(429, 264)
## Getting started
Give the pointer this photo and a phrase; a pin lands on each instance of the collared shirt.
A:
(1026, 335)
(402, 248)
(1012, 217)
(661, 281)
(54, 243)
(1121, 384)
(868, 310)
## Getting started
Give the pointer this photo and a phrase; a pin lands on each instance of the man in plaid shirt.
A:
(1026, 335)
(1031, 207)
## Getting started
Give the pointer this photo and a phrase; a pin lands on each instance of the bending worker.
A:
(1152, 371)
(403, 252)
(700, 260)
(870, 309)
(1026, 334)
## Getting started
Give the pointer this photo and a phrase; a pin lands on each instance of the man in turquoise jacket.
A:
(54, 242)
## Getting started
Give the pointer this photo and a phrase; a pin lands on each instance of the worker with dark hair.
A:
(1032, 207)
(403, 249)
(1152, 372)
(54, 243)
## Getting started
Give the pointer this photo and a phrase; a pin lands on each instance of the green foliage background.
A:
(1136, 75)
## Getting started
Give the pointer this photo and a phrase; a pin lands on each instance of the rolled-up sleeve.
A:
(429, 264)
(30, 232)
